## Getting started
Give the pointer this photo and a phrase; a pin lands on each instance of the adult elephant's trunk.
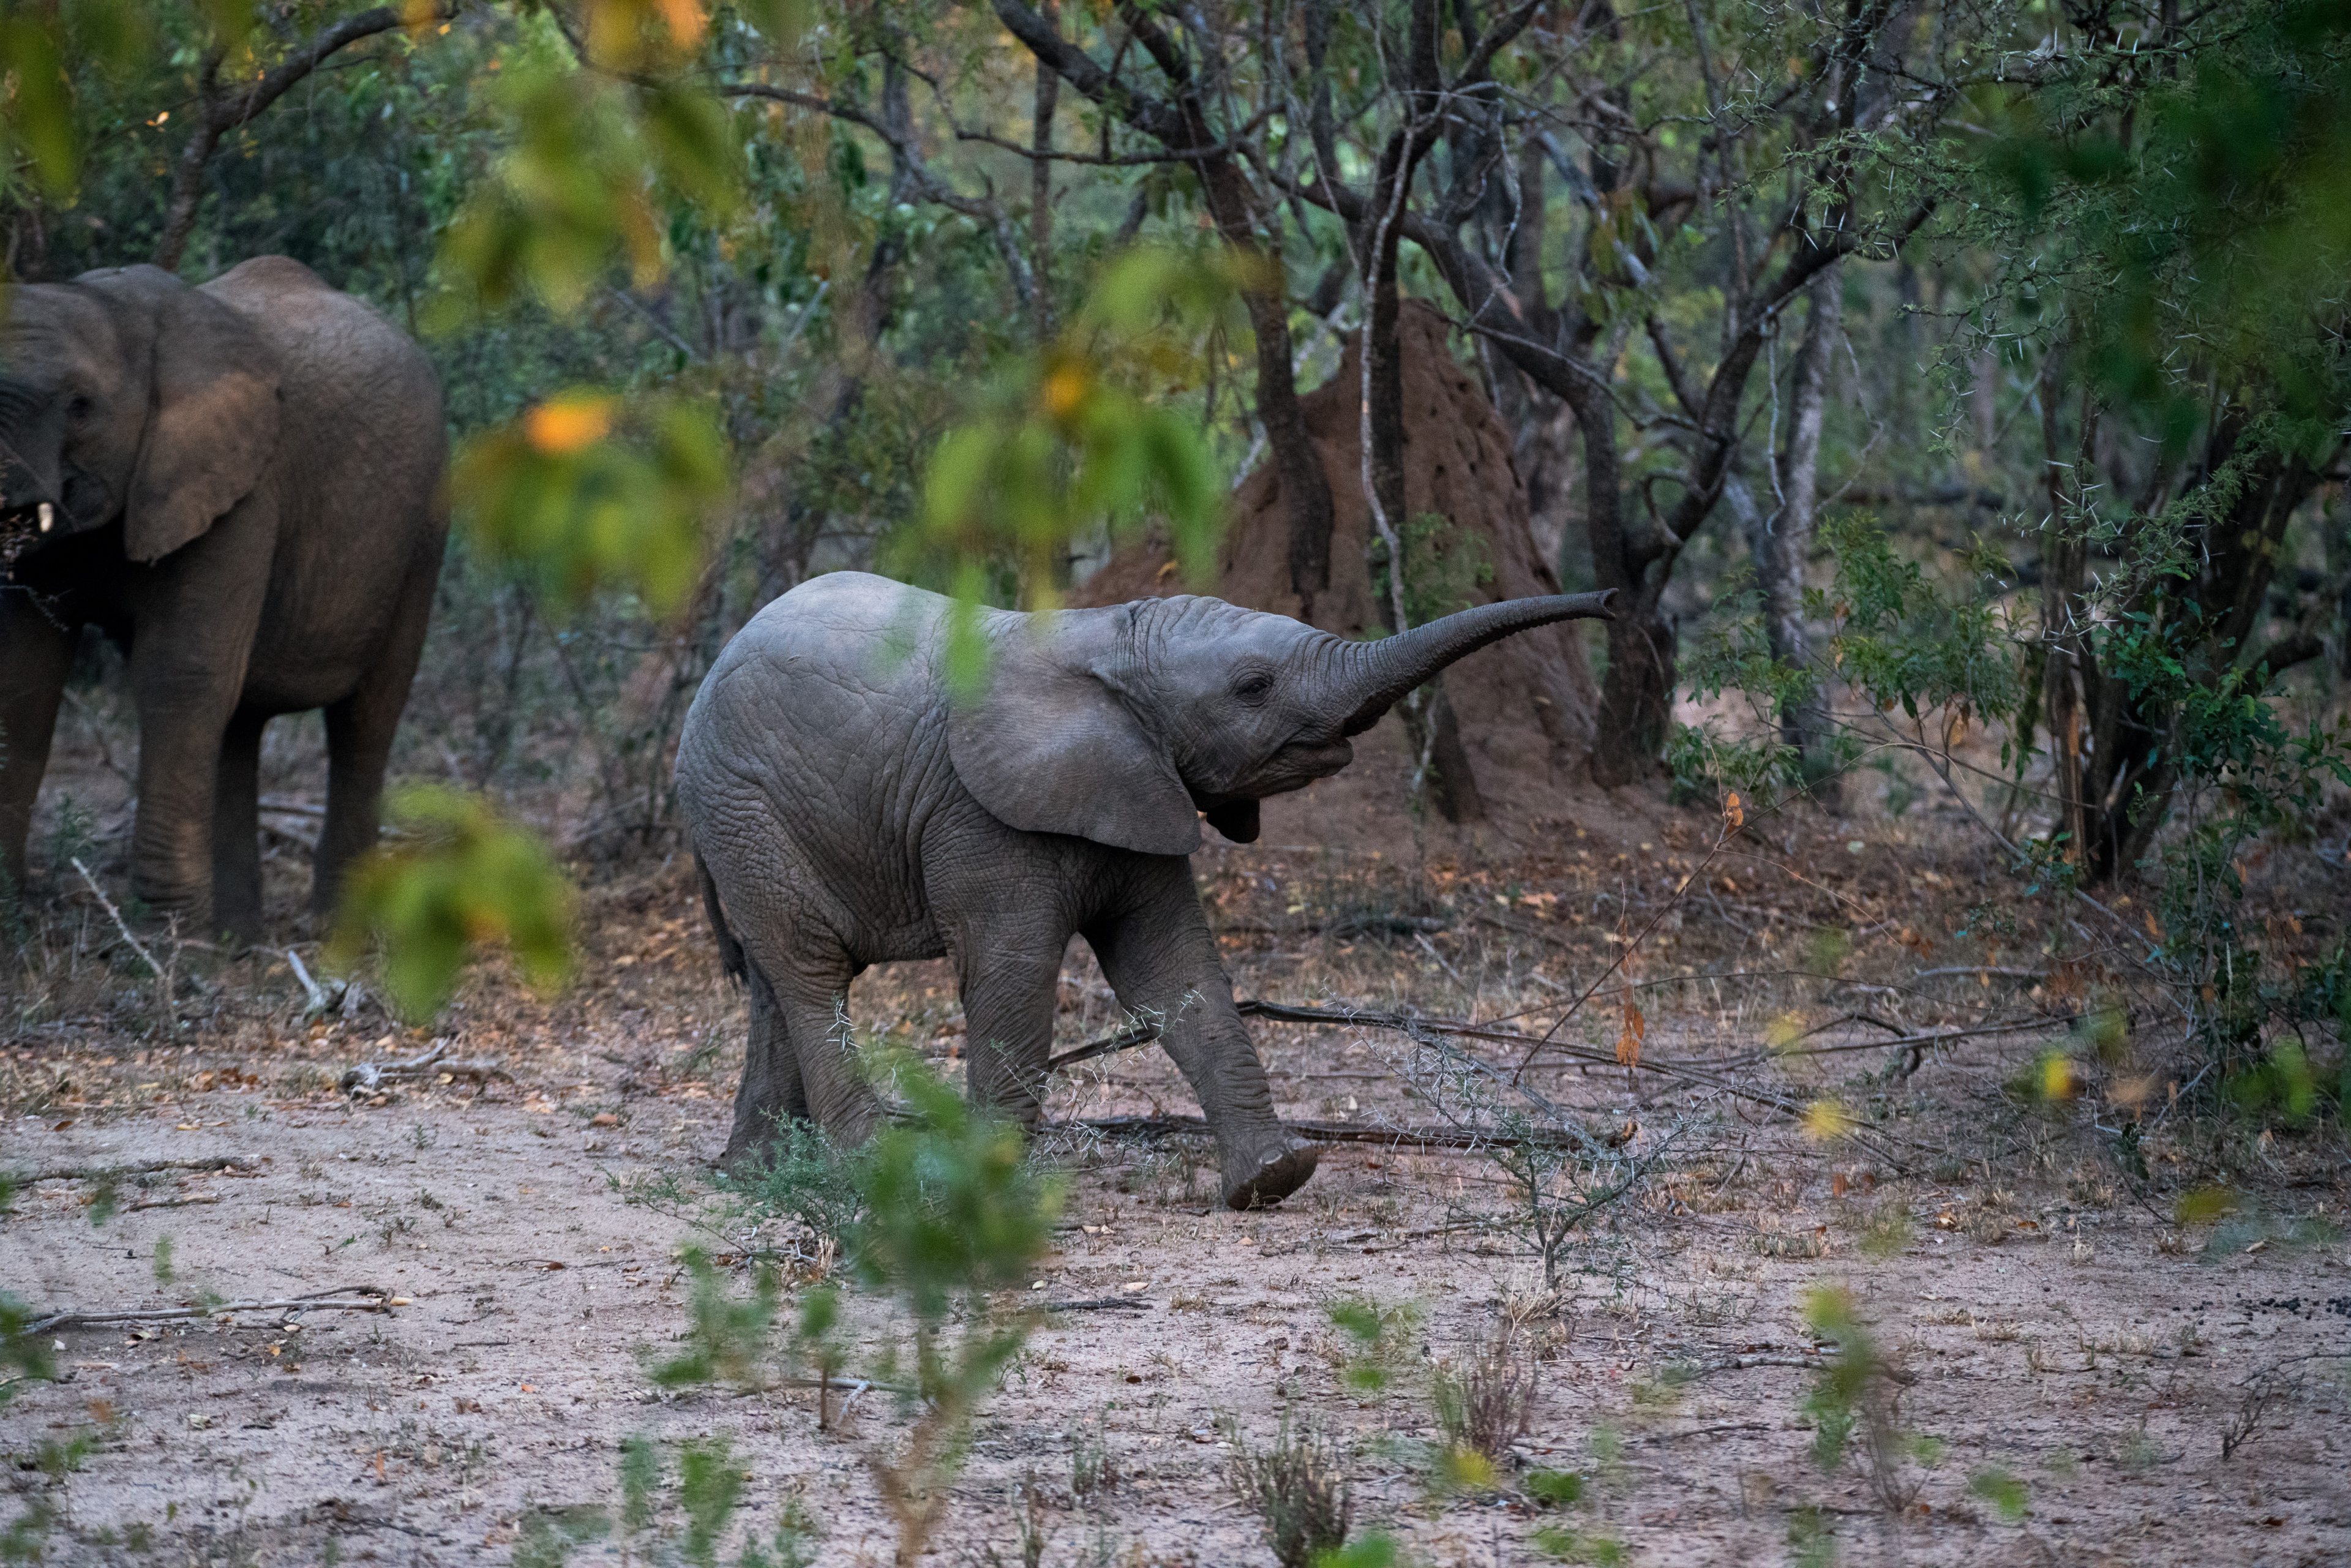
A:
(1371, 678)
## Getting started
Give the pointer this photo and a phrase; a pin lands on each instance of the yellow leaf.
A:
(2056, 1077)
(564, 425)
(1066, 386)
(1784, 1031)
(1826, 1119)
(686, 21)
(1734, 815)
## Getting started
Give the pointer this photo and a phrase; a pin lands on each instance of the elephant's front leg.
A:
(1010, 977)
(191, 635)
(1160, 958)
(35, 654)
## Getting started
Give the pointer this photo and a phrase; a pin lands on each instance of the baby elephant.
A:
(848, 809)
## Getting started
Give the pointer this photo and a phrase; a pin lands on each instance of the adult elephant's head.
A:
(127, 395)
(1123, 724)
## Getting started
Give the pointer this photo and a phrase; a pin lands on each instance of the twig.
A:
(1984, 970)
(1141, 1032)
(116, 1173)
(192, 1200)
(120, 923)
(343, 1299)
(1099, 1304)
(310, 987)
(1732, 819)
(1337, 1132)
(368, 1075)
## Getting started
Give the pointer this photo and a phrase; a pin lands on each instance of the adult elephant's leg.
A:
(36, 655)
(192, 626)
(773, 1092)
(360, 732)
(1160, 958)
(1010, 977)
(236, 828)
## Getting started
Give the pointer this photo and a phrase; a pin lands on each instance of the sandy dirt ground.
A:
(2073, 1351)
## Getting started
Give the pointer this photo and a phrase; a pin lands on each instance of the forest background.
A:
(1954, 395)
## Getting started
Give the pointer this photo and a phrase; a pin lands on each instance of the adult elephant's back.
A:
(362, 445)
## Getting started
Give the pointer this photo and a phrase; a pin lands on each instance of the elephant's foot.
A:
(1263, 1180)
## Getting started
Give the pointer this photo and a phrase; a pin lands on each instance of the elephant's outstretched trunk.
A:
(1371, 677)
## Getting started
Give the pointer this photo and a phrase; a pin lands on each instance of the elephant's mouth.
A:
(22, 527)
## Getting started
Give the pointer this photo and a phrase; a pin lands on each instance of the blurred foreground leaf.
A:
(36, 44)
(586, 493)
(578, 188)
(1083, 434)
(952, 1208)
(464, 878)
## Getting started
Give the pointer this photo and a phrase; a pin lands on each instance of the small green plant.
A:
(1298, 1491)
(1812, 1543)
(726, 1337)
(1376, 1550)
(1093, 1468)
(1483, 1407)
(25, 1355)
(1030, 1520)
(652, 1527)
(25, 1538)
(808, 1180)
(1852, 1404)
(1569, 1545)
(1379, 1344)
(162, 1261)
(2005, 1491)
(953, 1214)
(1554, 1488)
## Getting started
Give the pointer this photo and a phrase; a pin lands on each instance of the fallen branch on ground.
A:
(343, 1299)
(1337, 1132)
(1098, 1304)
(432, 1064)
(123, 1172)
(339, 996)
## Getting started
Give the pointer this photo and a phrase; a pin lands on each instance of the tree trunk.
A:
(1786, 545)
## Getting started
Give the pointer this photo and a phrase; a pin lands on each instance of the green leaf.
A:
(462, 880)
(589, 494)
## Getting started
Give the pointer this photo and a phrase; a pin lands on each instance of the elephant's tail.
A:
(730, 951)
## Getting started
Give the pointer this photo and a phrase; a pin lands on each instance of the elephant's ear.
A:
(1048, 747)
(212, 421)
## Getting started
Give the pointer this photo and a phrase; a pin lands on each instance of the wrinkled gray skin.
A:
(846, 811)
(241, 489)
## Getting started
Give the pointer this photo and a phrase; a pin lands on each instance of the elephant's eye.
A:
(78, 408)
(1254, 688)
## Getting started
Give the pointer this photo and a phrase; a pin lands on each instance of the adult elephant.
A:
(847, 809)
(240, 484)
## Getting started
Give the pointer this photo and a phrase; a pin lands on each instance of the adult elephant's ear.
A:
(212, 418)
(1048, 747)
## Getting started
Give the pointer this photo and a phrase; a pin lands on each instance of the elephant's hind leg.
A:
(807, 974)
(772, 1093)
(360, 731)
(236, 828)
